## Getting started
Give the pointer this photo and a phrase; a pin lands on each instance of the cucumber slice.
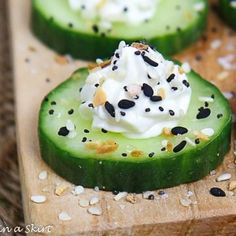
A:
(227, 10)
(174, 26)
(133, 165)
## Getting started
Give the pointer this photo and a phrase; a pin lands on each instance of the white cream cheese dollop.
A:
(138, 94)
(109, 11)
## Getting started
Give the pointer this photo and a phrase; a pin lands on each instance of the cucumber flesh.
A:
(66, 31)
(135, 165)
(228, 12)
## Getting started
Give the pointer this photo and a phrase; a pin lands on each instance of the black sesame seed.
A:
(124, 154)
(171, 112)
(71, 111)
(86, 131)
(122, 113)
(27, 60)
(47, 80)
(51, 112)
(217, 192)
(90, 105)
(95, 28)
(114, 68)
(147, 90)
(104, 131)
(178, 29)
(53, 103)
(198, 57)
(170, 78)
(151, 154)
(161, 108)
(212, 96)
(174, 88)
(149, 61)
(83, 7)
(125, 9)
(155, 98)
(137, 53)
(96, 85)
(161, 192)
(110, 109)
(180, 146)
(197, 140)
(147, 110)
(117, 55)
(80, 89)
(163, 149)
(125, 104)
(219, 116)
(206, 104)
(46, 99)
(151, 197)
(70, 25)
(63, 131)
(114, 62)
(179, 130)
(84, 139)
(125, 88)
(203, 113)
(186, 83)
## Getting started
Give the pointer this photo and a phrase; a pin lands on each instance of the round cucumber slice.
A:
(174, 26)
(114, 162)
(227, 10)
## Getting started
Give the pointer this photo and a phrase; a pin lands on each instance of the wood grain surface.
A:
(37, 72)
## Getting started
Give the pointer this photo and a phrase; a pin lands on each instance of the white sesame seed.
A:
(190, 141)
(94, 200)
(213, 172)
(233, 4)
(99, 61)
(228, 95)
(121, 45)
(64, 216)
(164, 142)
(96, 189)
(70, 125)
(199, 6)
(223, 177)
(208, 131)
(43, 175)
(120, 195)
(223, 75)
(78, 190)
(205, 99)
(38, 198)
(216, 43)
(83, 202)
(189, 193)
(185, 202)
(186, 67)
(95, 211)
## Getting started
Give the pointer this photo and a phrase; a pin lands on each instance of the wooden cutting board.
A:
(37, 71)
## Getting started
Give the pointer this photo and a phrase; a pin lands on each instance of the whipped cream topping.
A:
(109, 11)
(138, 93)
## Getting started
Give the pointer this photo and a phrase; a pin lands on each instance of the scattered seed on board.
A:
(217, 192)
(232, 185)
(78, 190)
(38, 198)
(120, 195)
(83, 202)
(43, 175)
(147, 194)
(60, 189)
(223, 177)
(185, 202)
(97, 211)
(64, 216)
(94, 200)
